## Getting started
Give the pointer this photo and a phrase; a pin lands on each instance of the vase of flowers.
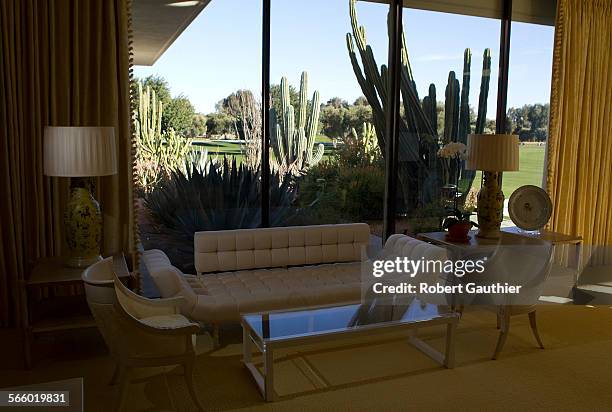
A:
(453, 153)
(458, 221)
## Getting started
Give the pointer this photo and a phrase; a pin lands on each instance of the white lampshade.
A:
(79, 151)
(492, 152)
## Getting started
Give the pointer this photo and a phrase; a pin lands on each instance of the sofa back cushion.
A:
(243, 249)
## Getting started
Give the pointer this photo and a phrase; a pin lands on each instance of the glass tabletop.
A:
(318, 321)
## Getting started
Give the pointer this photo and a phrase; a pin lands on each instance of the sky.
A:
(220, 52)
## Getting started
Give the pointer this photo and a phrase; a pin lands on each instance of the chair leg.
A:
(216, 337)
(534, 328)
(188, 366)
(504, 317)
(115, 377)
(124, 384)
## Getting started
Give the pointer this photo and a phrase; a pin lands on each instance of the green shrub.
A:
(365, 191)
(334, 193)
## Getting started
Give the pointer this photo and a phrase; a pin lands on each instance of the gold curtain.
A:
(62, 63)
(579, 158)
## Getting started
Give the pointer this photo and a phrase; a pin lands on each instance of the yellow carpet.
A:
(573, 373)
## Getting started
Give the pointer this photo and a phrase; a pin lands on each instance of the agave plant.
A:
(221, 196)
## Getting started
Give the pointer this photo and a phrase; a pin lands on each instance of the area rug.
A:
(572, 373)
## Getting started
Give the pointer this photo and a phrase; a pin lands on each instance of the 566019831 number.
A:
(34, 398)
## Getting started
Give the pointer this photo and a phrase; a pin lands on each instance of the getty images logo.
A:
(412, 267)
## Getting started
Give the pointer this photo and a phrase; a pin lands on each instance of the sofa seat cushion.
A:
(230, 294)
(166, 321)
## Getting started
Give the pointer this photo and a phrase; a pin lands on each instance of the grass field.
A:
(530, 172)
(220, 148)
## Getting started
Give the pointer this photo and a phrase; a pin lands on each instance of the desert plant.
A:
(220, 196)
(246, 112)
(158, 152)
(359, 149)
(292, 140)
(334, 193)
(419, 170)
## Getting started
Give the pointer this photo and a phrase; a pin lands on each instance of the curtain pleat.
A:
(579, 158)
(62, 63)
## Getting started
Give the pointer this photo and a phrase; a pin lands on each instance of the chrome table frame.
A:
(265, 379)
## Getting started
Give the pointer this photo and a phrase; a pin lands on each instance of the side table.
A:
(56, 301)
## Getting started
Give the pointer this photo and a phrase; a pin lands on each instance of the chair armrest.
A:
(141, 307)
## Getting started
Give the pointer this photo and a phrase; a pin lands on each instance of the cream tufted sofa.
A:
(250, 270)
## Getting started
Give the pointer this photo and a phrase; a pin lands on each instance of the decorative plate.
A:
(530, 207)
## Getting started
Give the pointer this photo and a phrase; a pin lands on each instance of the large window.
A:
(199, 153)
(324, 136)
(199, 131)
(451, 92)
(531, 48)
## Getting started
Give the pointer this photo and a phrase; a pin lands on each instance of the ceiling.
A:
(527, 11)
(157, 23)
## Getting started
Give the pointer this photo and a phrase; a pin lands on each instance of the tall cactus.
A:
(419, 135)
(467, 176)
(293, 143)
(484, 92)
(158, 152)
(148, 119)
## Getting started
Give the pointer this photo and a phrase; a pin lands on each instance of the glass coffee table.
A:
(341, 325)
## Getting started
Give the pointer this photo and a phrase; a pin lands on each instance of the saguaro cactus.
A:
(419, 134)
(293, 143)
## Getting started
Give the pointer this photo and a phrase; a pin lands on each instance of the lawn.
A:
(220, 148)
(531, 170)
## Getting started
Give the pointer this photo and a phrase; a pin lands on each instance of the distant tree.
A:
(276, 100)
(338, 117)
(529, 122)
(357, 115)
(361, 101)
(219, 124)
(198, 125)
(490, 126)
(337, 103)
(178, 115)
(334, 121)
(161, 87)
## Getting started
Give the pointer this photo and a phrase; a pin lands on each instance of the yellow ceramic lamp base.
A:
(490, 207)
(83, 226)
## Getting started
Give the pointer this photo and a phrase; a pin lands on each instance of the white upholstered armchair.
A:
(526, 262)
(139, 332)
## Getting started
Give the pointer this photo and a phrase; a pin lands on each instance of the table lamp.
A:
(492, 154)
(81, 152)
